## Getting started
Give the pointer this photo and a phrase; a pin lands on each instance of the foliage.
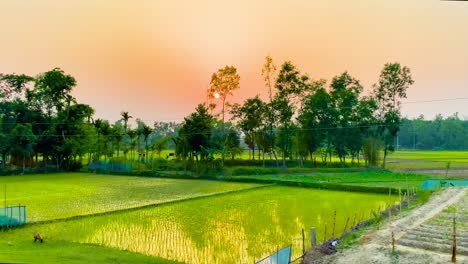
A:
(391, 88)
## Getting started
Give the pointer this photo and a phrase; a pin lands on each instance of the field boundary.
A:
(319, 185)
(144, 206)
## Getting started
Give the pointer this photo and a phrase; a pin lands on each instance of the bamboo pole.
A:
(454, 242)
(334, 224)
(346, 226)
(303, 242)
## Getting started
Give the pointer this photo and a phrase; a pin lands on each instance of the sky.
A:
(155, 58)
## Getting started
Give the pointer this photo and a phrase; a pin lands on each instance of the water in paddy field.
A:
(230, 228)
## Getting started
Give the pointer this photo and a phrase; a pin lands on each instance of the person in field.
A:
(38, 237)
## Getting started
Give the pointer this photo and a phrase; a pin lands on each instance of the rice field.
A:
(233, 228)
(62, 195)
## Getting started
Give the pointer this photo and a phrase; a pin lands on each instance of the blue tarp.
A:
(283, 256)
(437, 184)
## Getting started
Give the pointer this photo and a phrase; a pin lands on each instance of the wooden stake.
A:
(303, 242)
(325, 233)
(345, 226)
(313, 237)
(393, 243)
(334, 223)
(454, 242)
(399, 194)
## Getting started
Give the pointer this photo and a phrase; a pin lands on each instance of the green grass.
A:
(440, 156)
(61, 195)
(228, 228)
(25, 251)
(426, 160)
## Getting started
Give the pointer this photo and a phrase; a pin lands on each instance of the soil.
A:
(420, 234)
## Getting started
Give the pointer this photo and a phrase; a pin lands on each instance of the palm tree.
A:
(146, 132)
(125, 118)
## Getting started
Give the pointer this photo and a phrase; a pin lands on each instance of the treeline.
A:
(449, 133)
(42, 124)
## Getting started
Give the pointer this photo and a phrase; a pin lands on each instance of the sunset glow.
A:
(155, 58)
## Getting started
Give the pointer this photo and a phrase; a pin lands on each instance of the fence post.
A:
(334, 223)
(19, 213)
(399, 194)
(454, 242)
(313, 237)
(393, 243)
(303, 242)
(325, 233)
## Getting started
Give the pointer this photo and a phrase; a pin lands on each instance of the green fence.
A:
(12, 216)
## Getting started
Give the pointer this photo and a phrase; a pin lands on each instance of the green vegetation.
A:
(448, 133)
(25, 251)
(219, 229)
(62, 195)
(420, 160)
(378, 181)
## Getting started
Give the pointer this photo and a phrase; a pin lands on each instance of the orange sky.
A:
(155, 58)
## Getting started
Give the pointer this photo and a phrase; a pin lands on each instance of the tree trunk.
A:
(384, 158)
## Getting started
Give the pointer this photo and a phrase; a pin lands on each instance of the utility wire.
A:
(181, 118)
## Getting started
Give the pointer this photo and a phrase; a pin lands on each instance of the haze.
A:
(155, 58)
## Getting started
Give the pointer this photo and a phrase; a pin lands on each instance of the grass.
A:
(420, 160)
(25, 251)
(62, 195)
(220, 229)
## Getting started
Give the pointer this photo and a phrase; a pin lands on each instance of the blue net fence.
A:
(282, 256)
(106, 166)
(437, 184)
(12, 216)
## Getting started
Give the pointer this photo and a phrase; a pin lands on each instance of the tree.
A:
(53, 90)
(196, 131)
(249, 118)
(160, 144)
(291, 86)
(345, 91)
(13, 84)
(223, 83)
(125, 118)
(22, 141)
(391, 88)
(268, 74)
(145, 131)
(317, 118)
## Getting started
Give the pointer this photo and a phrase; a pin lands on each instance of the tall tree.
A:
(223, 83)
(345, 91)
(22, 142)
(125, 118)
(269, 76)
(291, 87)
(391, 88)
(249, 118)
(196, 131)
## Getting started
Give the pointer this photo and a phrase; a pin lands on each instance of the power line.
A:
(181, 118)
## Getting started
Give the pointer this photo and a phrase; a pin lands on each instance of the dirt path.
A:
(418, 234)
